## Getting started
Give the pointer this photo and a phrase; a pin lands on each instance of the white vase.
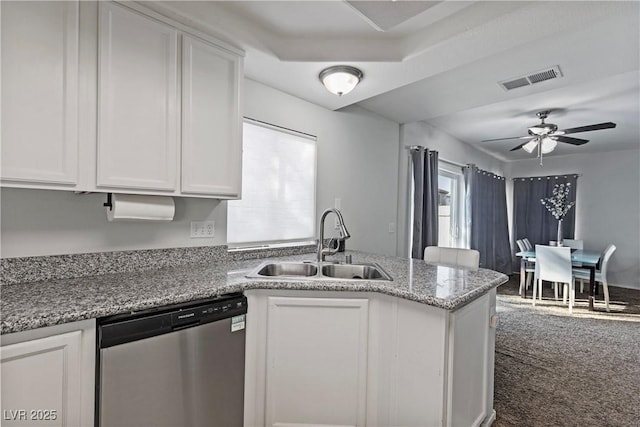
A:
(559, 238)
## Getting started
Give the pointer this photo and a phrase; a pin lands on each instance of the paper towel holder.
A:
(109, 202)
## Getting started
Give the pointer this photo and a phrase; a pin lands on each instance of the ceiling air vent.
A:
(532, 78)
(512, 84)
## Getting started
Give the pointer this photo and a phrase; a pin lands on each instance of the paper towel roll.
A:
(129, 207)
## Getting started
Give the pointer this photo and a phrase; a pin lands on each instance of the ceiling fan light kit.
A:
(340, 79)
(547, 145)
(530, 146)
(545, 136)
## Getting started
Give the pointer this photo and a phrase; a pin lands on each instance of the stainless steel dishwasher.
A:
(181, 365)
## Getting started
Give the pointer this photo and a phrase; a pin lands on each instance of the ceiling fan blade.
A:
(504, 139)
(519, 146)
(570, 140)
(607, 125)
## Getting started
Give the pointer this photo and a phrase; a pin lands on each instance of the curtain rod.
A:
(440, 159)
(548, 176)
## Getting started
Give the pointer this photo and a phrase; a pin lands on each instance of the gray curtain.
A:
(531, 219)
(425, 200)
(486, 213)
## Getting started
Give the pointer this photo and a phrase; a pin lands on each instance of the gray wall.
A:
(357, 160)
(449, 148)
(41, 222)
(608, 204)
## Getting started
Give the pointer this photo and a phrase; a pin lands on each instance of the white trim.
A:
(490, 419)
(177, 25)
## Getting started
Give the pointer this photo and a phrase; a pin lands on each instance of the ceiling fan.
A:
(545, 136)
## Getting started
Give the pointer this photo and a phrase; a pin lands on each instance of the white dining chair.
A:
(529, 247)
(529, 267)
(554, 265)
(469, 258)
(601, 275)
(575, 244)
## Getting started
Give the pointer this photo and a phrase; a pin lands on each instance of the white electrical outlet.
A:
(202, 229)
(392, 227)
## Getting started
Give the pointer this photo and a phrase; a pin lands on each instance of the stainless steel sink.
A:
(288, 269)
(355, 271)
(309, 270)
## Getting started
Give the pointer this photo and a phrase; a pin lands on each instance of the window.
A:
(278, 202)
(450, 197)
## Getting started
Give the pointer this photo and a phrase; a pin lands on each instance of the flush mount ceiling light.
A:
(340, 79)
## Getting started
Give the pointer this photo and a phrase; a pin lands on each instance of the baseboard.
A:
(637, 288)
(615, 285)
(490, 419)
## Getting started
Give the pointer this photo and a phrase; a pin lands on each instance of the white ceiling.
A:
(441, 61)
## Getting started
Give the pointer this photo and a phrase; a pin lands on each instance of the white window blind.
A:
(278, 188)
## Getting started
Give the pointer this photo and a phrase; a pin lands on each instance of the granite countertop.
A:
(32, 305)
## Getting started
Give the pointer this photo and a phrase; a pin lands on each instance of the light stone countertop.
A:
(32, 305)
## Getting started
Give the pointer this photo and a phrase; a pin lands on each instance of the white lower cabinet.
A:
(471, 356)
(304, 374)
(366, 359)
(48, 376)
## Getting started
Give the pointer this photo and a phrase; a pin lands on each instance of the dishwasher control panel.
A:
(208, 313)
(123, 328)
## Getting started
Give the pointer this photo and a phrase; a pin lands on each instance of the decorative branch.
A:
(558, 203)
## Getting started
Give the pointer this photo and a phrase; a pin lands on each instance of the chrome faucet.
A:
(342, 229)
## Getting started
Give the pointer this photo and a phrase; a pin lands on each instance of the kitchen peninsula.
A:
(417, 350)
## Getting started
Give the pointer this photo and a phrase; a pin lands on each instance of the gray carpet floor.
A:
(553, 369)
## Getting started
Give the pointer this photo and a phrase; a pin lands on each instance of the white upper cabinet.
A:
(113, 97)
(40, 93)
(211, 122)
(138, 116)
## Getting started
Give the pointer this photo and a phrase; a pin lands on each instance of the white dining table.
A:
(579, 257)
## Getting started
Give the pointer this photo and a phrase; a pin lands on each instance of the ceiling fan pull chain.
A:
(540, 151)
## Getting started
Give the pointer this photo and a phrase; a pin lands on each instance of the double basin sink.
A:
(319, 271)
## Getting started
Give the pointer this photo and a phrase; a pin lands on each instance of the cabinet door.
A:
(471, 346)
(316, 361)
(41, 381)
(137, 101)
(211, 125)
(40, 93)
